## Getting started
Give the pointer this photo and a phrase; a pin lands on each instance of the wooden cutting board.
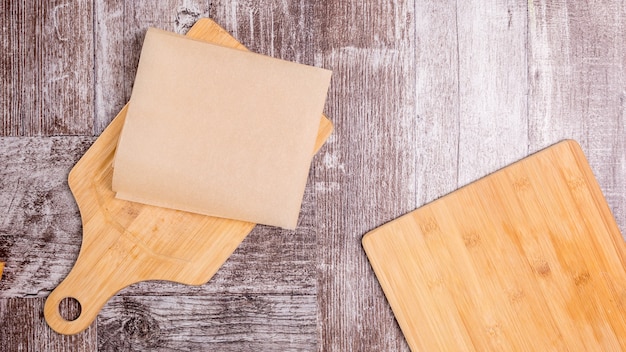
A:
(526, 259)
(126, 242)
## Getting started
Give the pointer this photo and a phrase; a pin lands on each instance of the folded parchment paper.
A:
(219, 131)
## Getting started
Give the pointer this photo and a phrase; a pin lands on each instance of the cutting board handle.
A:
(110, 259)
(90, 284)
(53, 314)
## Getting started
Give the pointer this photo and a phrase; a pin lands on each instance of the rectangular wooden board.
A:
(528, 258)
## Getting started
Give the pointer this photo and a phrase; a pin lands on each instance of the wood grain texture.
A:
(492, 86)
(40, 224)
(487, 267)
(46, 58)
(119, 30)
(281, 29)
(22, 328)
(225, 323)
(577, 80)
(361, 184)
(437, 99)
(424, 139)
(110, 92)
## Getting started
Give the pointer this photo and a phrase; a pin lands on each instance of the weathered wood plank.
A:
(39, 225)
(437, 99)
(222, 323)
(119, 30)
(280, 29)
(46, 55)
(40, 231)
(366, 175)
(577, 77)
(492, 86)
(23, 328)
(109, 93)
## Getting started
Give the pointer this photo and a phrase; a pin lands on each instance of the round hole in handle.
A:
(70, 308)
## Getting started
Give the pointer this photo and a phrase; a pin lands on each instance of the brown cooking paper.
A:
(219, 131)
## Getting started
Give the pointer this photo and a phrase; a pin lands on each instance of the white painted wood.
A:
(577, 78)
(437, 99)
(492, 83)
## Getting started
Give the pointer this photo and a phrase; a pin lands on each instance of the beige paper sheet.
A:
(219, 131)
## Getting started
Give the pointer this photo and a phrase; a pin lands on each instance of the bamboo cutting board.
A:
(526, 259)
(126, 242)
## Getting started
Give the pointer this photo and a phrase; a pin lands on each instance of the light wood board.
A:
(528, 258)
(126, 242)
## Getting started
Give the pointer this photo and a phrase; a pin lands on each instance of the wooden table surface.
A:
(426, 96)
